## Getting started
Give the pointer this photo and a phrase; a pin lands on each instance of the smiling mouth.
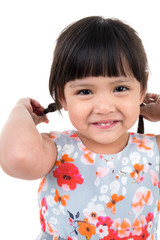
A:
(104, 125)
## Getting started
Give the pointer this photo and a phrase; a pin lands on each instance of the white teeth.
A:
(105, 124)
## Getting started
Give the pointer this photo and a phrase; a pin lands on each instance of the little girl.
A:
(99, 181)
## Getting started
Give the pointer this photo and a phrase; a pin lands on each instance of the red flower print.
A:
(149, 217)
(68, 176)
(42, 221)
(144, 235)
(43, 208)
(104, 221)
(112, 235)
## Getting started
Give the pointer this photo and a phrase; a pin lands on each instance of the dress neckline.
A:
(76, 137)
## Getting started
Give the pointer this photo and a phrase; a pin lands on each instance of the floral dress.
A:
(95, 196)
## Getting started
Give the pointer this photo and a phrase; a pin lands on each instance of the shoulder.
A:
(60, 137)
(144, 142)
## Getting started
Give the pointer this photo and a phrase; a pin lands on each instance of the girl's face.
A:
(103, 109)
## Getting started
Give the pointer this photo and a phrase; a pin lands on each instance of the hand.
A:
(151, 107)
(35, 109)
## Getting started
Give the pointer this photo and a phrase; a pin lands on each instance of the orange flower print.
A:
(136, 172)
(142, 197)
(138, 225)
(88, 157)
(142, 144)
(52, 232)
(86, 229)
(61, 199)
(114, 200)
(41, 184)
(54, 135)
(65, 158)
(122, 228)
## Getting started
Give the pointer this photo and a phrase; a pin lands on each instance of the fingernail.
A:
(47, 121)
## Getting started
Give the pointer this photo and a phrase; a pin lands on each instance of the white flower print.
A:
(44, 211)
(124, 191)
(68, 149)
(135, 157)
(94, 199)
(125, 161)
(124, 180)
(93, 211)
(53, 220)
(50, 200)
(62, 209)
(104, 198)
(104, 189)
(114, 187)
(56, 211)
(97, 181)
(102, 231)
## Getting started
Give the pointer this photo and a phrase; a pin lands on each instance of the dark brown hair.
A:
(95, 46)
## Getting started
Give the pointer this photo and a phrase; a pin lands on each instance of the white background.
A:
(28, 31)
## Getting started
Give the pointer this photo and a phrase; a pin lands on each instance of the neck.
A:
(111, 148)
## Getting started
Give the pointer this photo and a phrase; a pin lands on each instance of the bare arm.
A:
(24, 152)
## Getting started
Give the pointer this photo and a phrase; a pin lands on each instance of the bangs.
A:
(97, 51)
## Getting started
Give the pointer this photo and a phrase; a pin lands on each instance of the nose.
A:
(104, 105)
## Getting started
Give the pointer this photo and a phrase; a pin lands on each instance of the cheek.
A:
(76, 113)
(132, 111)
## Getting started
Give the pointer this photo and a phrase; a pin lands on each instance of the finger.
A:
(36, 106)
(147, 111)
(150, 97)
(39, 119)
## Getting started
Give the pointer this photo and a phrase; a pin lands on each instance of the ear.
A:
(144, 91)
(63, 102)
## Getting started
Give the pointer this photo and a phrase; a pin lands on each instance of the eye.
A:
(121, 89)
(84, 92)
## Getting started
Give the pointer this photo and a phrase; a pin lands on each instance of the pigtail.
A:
(140, 125)
(51, 108)
(140, 128)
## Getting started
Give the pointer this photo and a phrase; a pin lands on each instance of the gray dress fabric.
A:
(96, 196)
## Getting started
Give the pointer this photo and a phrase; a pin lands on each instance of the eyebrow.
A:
(122, 81)
(118, 81)
(74, 85)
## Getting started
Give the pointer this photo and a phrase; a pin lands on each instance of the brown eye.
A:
(84, 92)
(121, 89)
